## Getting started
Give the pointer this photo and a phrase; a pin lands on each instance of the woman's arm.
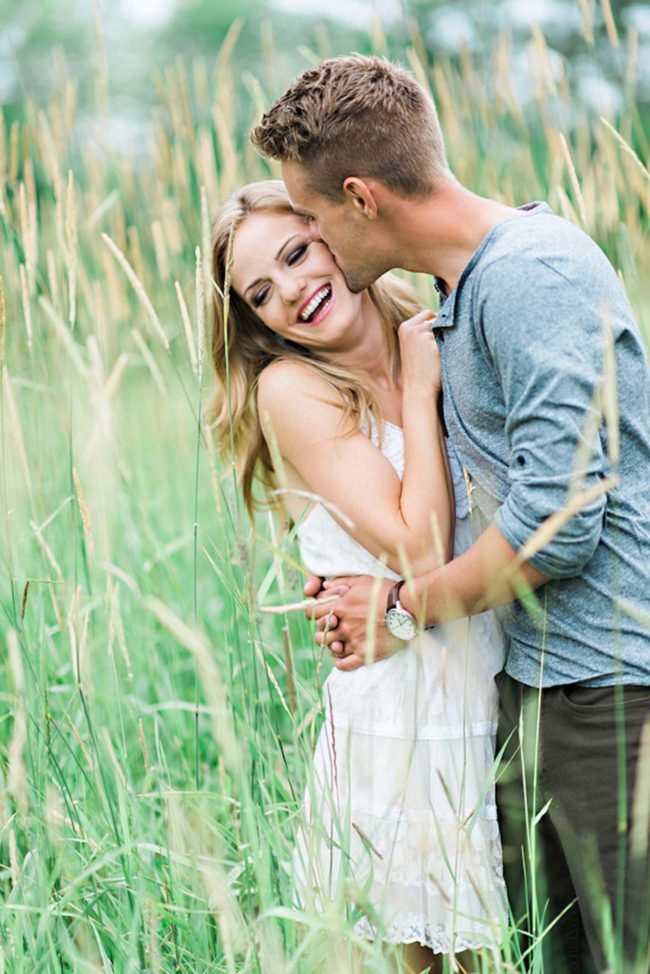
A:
(427, 488)
(300, 412)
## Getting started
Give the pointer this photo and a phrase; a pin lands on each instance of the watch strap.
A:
(393, 595)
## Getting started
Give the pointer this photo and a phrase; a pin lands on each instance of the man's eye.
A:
(260, 297)
(296, 254)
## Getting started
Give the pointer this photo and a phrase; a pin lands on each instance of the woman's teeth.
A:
(310, 310)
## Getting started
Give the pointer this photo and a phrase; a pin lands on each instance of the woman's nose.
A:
(291, 289)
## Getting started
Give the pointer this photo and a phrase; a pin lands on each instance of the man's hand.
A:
(353, 626)
(314, 589)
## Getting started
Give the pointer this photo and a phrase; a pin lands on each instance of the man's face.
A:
(348, 234)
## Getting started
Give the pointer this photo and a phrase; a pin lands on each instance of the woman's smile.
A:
(317, 307)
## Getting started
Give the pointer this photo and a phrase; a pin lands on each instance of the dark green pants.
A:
(579, 756)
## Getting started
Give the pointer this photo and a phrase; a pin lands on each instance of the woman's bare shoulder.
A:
(290, 376)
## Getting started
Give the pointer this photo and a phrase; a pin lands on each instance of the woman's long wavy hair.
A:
(251, 346)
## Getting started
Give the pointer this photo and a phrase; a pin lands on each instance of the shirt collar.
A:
(447, 309)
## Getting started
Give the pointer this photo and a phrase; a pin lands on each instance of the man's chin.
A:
(356, 280)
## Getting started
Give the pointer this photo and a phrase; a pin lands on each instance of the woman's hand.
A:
(419, 354)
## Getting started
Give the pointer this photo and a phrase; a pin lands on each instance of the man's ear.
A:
(359, 193)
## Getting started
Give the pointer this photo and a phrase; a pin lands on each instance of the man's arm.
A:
(491, 573)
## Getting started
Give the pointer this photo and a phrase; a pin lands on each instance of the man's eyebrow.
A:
(277, 257)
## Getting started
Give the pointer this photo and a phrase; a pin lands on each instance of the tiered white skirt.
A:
(399, 816)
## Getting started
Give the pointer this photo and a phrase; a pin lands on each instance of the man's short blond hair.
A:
(357, 116)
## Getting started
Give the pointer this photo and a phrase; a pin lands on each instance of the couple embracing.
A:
(475, 526)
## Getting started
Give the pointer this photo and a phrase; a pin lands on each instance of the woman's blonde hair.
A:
(251, 346)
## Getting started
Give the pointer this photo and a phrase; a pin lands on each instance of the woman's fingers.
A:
(328, 638)
(313, 585)
(329, 621)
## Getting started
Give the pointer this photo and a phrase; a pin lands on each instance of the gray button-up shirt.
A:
(522, 348)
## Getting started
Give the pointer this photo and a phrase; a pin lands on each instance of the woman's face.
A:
(292, 282)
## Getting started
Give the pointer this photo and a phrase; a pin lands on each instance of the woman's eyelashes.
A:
(293, 258)
(260, 298)
(296, 254)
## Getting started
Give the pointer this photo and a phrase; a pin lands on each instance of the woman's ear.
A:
(360, 195)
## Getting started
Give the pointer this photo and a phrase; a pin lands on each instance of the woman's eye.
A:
(296, 254)
(260, 297)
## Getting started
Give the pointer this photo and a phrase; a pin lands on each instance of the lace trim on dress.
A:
(414, 929)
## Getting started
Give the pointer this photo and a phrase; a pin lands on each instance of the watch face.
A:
(400, 624)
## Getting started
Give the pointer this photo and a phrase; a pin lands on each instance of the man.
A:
(538, 344)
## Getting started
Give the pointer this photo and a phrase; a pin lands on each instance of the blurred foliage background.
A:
(120, 48)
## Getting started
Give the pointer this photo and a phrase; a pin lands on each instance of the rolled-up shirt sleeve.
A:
(545, 342)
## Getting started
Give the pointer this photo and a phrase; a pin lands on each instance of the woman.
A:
(335, 394)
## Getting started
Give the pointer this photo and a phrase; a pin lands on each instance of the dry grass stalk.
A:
(544, 535)
(587, 17)
(52, 282)
(609, 389)
(207, 165)
(641, 801)
(226, 911)
(113, 756)
(64, 334)
(271, 676)
(14, 868)
(187, 327)
(16, 775)
(227, 151)
(13, 153)
(206, 248)
(115, 627)
(81, 743)
(160, 249)
(3, 151)
(83, 511)
(288, 662)
(627, 149)
(574, 179)
(71, 249)
(139, 290)
(23, 601)
(101, 64)
(143, 745)
(610, 23)
(632, 59)
(27, 311)
(297, 606)
(135, 252)
(545, 71)
(200, 312)
(317, 499)
(2, 323)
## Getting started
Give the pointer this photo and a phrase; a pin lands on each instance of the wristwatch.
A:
(399, 621)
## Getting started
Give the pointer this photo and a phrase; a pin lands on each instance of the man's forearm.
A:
(489, 574)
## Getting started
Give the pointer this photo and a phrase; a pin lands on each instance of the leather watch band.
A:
(393, 595)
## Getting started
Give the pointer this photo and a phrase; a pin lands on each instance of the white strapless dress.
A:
(400, 817)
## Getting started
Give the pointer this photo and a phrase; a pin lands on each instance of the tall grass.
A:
(156, 727)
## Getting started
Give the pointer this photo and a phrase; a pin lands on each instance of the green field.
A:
(156, 726)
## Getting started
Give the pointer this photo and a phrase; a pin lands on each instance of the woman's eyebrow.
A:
(277, 257)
